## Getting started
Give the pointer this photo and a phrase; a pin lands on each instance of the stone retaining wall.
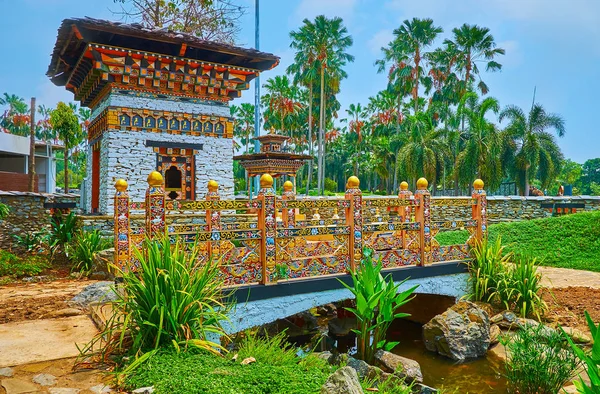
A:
(27, 214)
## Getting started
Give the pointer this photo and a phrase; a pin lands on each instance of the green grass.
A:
(276, 370)
(571, 241)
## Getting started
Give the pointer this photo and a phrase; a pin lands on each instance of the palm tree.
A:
(15, 119)
(536, 150)
(244, 122)
(481, 154)
(356, 124)
(281, 102)
(328, 42)
(407, 51)
(424, 152)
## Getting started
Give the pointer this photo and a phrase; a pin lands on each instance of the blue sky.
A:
(551, 44)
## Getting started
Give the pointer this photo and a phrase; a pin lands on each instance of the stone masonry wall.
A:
(512, 208)
(27, 214)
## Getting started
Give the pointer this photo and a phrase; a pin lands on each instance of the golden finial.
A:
(353, 182)
(404, 185)
(266, 181)
(121, 185)
(478, 184)
(213, 186)
(288, 186)
(155, 179)
(422, 184)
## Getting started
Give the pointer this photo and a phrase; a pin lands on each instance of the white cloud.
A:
(381, 39)
(311, 8)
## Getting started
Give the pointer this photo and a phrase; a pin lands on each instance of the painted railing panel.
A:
(268, 239)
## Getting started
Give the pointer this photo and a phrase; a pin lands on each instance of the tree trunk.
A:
(66, 158)
(310, 146)
(31, 170)
(416, 91)
(526, 191)
(321, 172)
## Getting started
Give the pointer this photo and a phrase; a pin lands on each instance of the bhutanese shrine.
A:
(274, 158)
(159, 101)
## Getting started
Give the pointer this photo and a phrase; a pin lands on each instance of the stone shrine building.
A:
(159, 101)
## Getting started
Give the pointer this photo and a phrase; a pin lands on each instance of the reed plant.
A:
(377, 302)
(62, 230)
(590, 359)
(525, 288)
(84, 248)
(488, 268)
(539, 362)
(169, 301)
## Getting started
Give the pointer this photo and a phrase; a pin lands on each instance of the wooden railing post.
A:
(288, 215)
(122, 228)
(267, 223)
(155, 205)
(213, 217)
(479, 210)
(354, 220)
(404, 212)
(423, 216)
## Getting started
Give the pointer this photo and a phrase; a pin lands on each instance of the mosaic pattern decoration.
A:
(122, 231)
(155, 211)
(268, 253)
(354, 215)
(426, 236)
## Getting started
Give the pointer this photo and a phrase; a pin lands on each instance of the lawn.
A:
(571, 241)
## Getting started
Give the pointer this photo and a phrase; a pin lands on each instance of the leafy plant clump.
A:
(85, 246)
(62, 230)
(591, 360)
(277, 370)
(4, 211)
(33, 242)
(538, 361)
(499, 278)
(17, 267)
(377, 302)
(168, 302)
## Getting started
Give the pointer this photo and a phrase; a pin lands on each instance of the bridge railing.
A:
(269, 239)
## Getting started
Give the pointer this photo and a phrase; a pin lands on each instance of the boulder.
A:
(359, 366)
(100, 292)
(460, 333)
(576, 335)
(342, 381)
(495, 333)
(324, 355)
(423, 389)
(403, 367)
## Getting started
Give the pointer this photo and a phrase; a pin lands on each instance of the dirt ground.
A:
(567, 305)
(33, 301)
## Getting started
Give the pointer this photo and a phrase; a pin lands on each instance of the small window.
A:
(173, 178)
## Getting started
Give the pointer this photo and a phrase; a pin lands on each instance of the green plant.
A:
(524, 290)
(591, 360)
(62, 229)
(377, 302)
(31, 242)
(281, 271)
(17, 267)
(4, 211)
(84, 248)
(538, 361)
(390, 385)
(330, 185)
(168, 302)
(487, 269)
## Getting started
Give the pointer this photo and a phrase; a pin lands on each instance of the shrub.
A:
(538, 361)
(591, 360)
(377, 300)
(169, 301)
(17, 267)
(524, 288)
(85, 246)
(62, 229)
(330, 185)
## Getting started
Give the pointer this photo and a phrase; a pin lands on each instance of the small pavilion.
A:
(274, 158)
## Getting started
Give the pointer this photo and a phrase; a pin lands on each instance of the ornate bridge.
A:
(303, 246)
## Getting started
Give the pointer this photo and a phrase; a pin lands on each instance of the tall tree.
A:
(356, 125)
(66, 123)
(328, 41)
(244, 122)
(481, 156)
(32, 128)
(281, 101)
(15, 119)
(213, 20)
(536, 150)
(407, 52)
